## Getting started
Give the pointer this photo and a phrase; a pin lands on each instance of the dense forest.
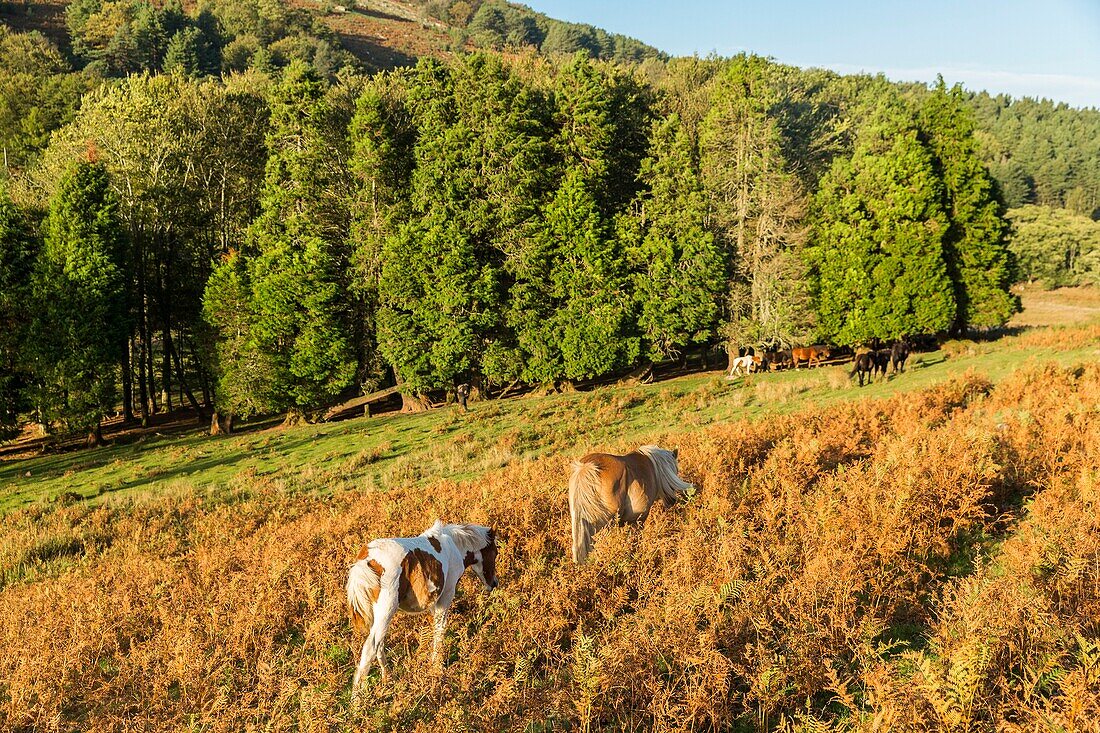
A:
(221, 207)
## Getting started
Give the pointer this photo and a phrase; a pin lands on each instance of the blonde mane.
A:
(467, 537)
(669, 484)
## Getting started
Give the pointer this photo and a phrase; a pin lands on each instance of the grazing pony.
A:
(414, 575)
(899, 352)
(603, 487)
(742, 365)
(810, 354)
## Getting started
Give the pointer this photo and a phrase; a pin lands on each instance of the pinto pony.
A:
(604, 487)
(414, 575)
(742, 365)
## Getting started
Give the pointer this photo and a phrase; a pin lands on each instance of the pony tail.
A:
(585, 508)
(361, 581)
(582, 534)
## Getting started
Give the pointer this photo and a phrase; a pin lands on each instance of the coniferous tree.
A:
(876, 252)
(570, 307)
(679, 269)
(80, 324)
(471, 195)
(245, 369)
(572, 316)
(149, 36)
(297, 256)
(975, 247)
(182, 56)
(759, 206)
(382, 134)
(16, 266)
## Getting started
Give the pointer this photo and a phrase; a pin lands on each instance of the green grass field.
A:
(378, 453)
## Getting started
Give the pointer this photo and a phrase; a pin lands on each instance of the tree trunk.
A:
(221, 425)
(166, 368)
(294, 416)
(411, 402)
(150, 366)
(183, 384)
(128, 382)
(143, 394)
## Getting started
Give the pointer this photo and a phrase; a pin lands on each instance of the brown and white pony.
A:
(604, 487)
(414, 575)
(742, 365)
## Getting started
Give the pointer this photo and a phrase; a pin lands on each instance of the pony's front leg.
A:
(440, 623)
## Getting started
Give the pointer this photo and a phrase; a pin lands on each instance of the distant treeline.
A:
(498, 25)
(268, 240)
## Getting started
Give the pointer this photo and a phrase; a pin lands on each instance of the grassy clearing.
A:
(396, 450)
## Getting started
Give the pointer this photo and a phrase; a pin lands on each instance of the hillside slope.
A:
(384, 34)
(906, 559)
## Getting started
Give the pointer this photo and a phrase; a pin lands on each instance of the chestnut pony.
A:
(604, 487)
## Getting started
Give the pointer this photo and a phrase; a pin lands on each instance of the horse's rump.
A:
(364, 583)
(587, 510)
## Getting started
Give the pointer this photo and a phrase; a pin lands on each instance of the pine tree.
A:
(876, 252)
(975, 245)
(246, 371)
(298, 254)
(679, 269)
(80, 326)
(479, 167)
(149, 36)
(16, 263)
(571, 311)
(182, 56)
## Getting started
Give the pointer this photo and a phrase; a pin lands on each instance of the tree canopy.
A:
(289, 233)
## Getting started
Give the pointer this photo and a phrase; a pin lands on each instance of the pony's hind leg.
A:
(374, 647)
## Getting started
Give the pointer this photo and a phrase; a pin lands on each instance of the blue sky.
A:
(1041, 48)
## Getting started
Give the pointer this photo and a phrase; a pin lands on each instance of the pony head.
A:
(479, 547)
(485, 561)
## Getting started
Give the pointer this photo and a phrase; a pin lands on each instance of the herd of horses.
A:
(869, 360)
(420, 574)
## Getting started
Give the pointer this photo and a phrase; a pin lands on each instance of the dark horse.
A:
(778, 358)
(882, 360)
(865, 364)
(899, 352)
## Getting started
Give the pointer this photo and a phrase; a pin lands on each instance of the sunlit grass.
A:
(379, 453)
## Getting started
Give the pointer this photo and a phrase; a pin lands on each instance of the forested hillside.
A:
(222, 206)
